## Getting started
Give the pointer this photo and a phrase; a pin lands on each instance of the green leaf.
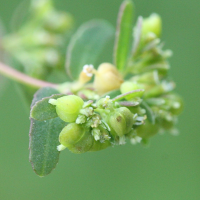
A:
(86, 45)
(123, 34)
(43, 92)
(43, 145)
(149, 112)
(137, 36)
(43, 138)
(43, 110)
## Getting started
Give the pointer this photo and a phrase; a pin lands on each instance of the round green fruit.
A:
(76, 138)
(68, 107)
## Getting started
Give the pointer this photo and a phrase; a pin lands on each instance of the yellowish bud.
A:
(86, 74)
(107, 78)
(152, 24)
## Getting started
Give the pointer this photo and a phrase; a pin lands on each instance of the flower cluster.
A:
(145, 104)
(94, 126)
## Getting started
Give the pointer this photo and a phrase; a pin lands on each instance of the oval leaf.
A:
(43, 145)
(43, 110)
(43, 138)
(86, 45)
(123, 34)
(137, 36)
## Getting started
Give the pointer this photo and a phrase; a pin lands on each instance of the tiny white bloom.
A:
(136, 140)
(52, 101)
(106, 100)
(122, 140)
(96, 137)
(88, 70)
(174, 132)
(176, 105)
(61, 147)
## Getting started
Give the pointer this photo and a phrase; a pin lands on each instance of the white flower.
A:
(88, 70)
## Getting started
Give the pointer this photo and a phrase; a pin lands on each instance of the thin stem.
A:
(23, 78)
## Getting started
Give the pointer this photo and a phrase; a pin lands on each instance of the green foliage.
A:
(42, 110)
(44, 136)
(42, 93)
(43, 145)
(123, 34)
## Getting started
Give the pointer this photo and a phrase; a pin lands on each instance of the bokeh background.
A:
(169, 169)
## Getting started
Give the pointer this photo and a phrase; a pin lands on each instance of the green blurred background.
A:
(168, 170)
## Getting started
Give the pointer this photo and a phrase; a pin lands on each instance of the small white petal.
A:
(133, 141)
(138, 139)
(97, 137)
(122, 140)
(52, 101)
(176, 105)
(88, 70)
(174, 132)
(61, 147)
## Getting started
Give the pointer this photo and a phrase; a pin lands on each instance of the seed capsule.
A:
(68, 107)
(117, 123)
(128, 117)
(120, 121)
(147, 130)
(76, 138)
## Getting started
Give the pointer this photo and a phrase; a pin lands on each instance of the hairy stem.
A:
(23, 78)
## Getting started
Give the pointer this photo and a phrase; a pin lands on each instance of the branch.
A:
(23, 78)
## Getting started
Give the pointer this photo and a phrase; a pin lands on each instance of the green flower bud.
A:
(175, 103)
(160, 89)
(41, 7)
(147, 130)
(167, 124)
(128, 117)
(68, 107)
(117, 124)
(152, 24)
(77, 138)
(120, 121)
(130, 86)
(147, 78)
(104, 102)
